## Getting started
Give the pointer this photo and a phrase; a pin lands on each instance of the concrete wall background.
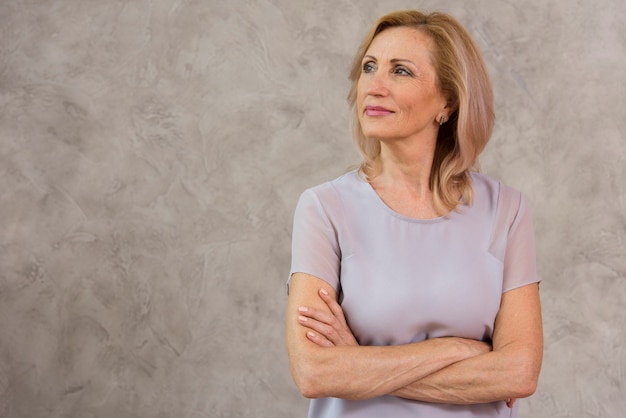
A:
(151, 155)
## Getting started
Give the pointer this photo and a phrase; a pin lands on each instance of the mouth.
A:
(377, 111)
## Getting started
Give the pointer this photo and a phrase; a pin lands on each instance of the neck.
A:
(407, 166)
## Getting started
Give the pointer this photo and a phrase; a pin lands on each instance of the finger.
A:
(334, 329)
(330, 301)
(318, 339)
(510, 402)
(318, 315)
(321, 328)
(332, 304)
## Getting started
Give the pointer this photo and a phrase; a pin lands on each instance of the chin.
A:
(377, 134)
(371, 130)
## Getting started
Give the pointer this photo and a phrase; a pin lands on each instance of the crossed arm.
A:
(326, 359)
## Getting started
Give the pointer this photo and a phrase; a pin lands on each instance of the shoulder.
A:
(328, 198)
(508, 204)
(493, 189)
(332, 190)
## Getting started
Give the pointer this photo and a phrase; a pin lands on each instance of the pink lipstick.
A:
(377, 111)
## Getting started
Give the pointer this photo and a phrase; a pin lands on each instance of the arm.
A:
(511, 370)
(352, 371)
(508, 372)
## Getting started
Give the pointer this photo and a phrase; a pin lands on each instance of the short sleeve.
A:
(315, 247)
(520, 265)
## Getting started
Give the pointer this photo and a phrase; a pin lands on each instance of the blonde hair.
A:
(464, 81)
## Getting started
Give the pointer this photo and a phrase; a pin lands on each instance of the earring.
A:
(442, 119)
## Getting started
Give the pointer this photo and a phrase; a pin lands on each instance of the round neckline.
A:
(380, 202)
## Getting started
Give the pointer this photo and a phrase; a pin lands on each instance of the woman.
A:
(413, 288)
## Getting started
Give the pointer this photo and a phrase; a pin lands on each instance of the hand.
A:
(474, 347)
(478, 348)
(328, 329)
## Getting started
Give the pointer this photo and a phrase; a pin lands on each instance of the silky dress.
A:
(402, 280)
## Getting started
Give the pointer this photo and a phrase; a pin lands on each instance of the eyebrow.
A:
(393, 60)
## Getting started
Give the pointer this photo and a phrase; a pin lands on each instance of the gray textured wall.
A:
(151, 155)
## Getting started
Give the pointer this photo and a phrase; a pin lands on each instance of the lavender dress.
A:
(402, 280)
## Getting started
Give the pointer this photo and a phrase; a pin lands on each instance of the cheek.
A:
(361, 89)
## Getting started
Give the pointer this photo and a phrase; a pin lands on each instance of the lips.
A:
(377, 111)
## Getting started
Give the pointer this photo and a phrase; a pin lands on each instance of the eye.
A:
(368, 67)
(402, 71)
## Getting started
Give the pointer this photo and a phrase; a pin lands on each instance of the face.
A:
(397, 95)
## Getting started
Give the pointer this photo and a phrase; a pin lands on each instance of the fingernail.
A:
(324, 292)
(303, 309)
(302, 318)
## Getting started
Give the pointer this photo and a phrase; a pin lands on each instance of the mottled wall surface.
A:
(151, 155)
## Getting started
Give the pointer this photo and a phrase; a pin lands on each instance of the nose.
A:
(377, 85)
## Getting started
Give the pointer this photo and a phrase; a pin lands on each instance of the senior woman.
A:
(413, 289)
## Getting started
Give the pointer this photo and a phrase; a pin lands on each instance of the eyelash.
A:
(368, 67)
(406, 72)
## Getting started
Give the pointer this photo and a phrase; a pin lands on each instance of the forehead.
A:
(406, 41)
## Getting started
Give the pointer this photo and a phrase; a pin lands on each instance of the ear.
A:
(443, 115)
(447, 111)
(450, 106)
